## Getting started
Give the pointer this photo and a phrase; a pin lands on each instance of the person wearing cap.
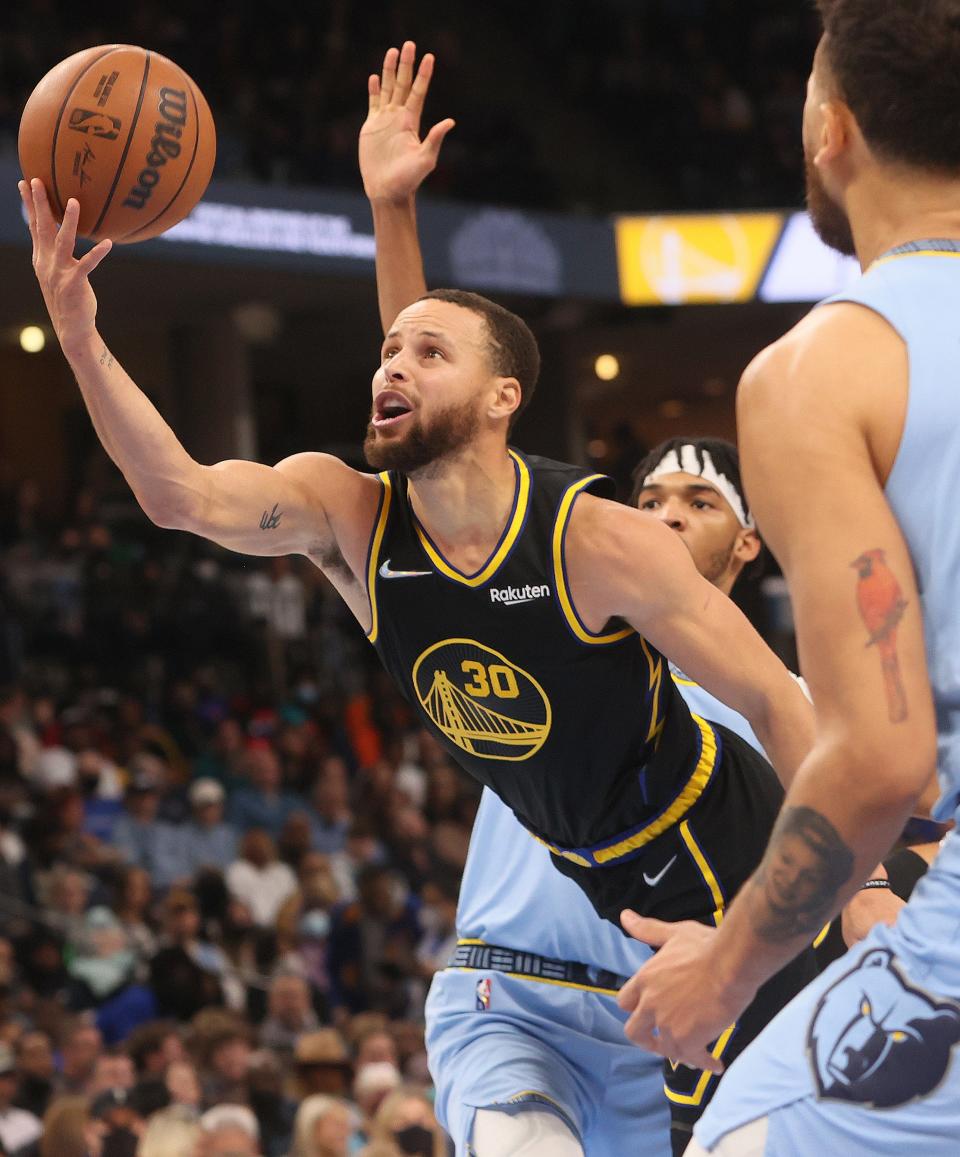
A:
(207, 841)
(322, 1064)
(18, 1128)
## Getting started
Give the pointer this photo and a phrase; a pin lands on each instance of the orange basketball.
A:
(126, 132)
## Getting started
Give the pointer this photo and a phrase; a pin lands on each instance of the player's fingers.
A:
(373, 91)
(388, 77)
(653, 932)
(66, 238)
(46, 226)
(408, 53)
(434, 138)
(421, 85)
(31, 216)
(642, 1029)
(89, 262)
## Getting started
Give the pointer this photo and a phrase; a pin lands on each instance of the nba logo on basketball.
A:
(483, 994)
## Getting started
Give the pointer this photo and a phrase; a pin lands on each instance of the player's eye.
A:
(434, 352)
(649, 504)
(388, 354)
(702, 504)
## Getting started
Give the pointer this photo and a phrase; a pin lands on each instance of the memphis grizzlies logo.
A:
(876, 1040)
(483, 703)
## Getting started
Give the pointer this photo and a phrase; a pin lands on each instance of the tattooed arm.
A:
(311, 503)
(820, 417)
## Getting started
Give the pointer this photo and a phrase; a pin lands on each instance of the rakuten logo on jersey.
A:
(514, 596)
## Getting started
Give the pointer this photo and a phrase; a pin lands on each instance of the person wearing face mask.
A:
(405, 1124)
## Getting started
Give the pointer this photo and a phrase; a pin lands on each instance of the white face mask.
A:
(315, 925)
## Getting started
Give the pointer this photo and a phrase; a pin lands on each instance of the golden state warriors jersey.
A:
(582, 734)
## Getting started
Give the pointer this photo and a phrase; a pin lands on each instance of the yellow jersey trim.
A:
(713, 884)
(509, 537)
(376, 541)
(822, 934)
(696, 1097)
(560, 576)
(680, 806)
(913, 253)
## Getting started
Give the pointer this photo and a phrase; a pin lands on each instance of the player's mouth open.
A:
(390, 408)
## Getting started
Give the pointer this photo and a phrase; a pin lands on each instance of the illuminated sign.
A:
(803, 268)
(678, 260)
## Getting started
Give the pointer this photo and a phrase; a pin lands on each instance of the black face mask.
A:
(416, 1140)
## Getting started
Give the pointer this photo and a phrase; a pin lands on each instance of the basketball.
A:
(126, 132)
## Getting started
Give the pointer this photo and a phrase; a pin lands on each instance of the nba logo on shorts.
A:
(483, 994)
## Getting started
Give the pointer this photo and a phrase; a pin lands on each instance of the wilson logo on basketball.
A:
(481, 702)
(165, 145)
(96, 124)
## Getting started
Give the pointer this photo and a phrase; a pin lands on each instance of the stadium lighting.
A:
(606, 367)
(32, 339)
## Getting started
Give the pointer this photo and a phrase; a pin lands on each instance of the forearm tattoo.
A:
(805, 865)
(106, 358)
(881, 604)
(272, 520)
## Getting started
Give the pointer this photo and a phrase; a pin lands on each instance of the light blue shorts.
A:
(499, 1041)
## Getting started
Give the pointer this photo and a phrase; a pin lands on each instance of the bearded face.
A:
(422, 444)
(829, 220)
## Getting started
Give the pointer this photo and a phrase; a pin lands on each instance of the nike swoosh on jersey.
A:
(387, 573)
(652, 881)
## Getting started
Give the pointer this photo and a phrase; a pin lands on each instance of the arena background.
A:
(626, 175)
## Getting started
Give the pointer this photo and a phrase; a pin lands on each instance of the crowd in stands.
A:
(665, 103)
(229, 858)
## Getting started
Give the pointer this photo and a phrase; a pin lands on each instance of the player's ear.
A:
(747, 546)
(507, 398)
(836, 123)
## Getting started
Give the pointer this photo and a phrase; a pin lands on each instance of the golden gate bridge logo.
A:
(482, 702)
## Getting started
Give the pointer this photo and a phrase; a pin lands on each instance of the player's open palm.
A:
(64, 279)
(394, 161)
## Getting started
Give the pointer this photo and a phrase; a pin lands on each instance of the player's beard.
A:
(423, 446)
(829, 220)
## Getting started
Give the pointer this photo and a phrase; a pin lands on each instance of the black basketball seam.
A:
(186, 175)
(126, 147)
(56, 128)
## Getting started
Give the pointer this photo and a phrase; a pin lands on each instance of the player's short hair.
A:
(514, 352)
(896, 64)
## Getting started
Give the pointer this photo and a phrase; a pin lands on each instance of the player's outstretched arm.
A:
(394, 162)
(625, 563)
(815, 456)
(245, 506)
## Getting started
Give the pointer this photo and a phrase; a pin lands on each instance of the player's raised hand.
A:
(677, 1006)
(64, 279)
(394, 161)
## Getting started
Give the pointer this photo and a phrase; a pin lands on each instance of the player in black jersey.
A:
(524, 614)
(690, 849)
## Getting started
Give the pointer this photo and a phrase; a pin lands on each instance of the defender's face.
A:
(703, 518)
(428, 392)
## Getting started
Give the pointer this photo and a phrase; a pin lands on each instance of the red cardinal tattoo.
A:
(881, 604)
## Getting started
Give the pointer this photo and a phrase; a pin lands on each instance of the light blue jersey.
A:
(865, 1061)
(502, 1040)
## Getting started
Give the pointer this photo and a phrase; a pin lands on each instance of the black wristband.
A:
(874, 884)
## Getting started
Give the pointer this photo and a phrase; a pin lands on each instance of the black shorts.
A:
(692, 872)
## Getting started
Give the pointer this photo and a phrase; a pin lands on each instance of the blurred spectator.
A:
(375, 1045)
(18, 1127)
(36, 1070)
(322, 1064)
(371, 1085)
(323, 1128)
(263, 804)
(173, 1132)
(290, 1014)
(229, 1131)
(153, 1047)
(80, 1050)
(225, 1067)
(274, 1110)
(133, 898)
(372, 943)
(120, 1122)
(186, 973)
(141, 838)
(113, 1070)
(183, 1085)
(69, 1130)
(206, 840)
(331, 817)
(258, 879)
(405, 1124)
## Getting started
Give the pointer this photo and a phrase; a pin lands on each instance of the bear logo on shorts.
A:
(876, 1040)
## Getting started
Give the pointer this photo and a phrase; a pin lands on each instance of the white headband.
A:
(686, 460)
